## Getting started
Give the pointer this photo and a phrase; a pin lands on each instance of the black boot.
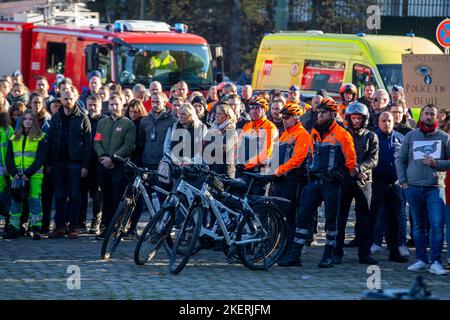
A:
(292, 258)
(327, 257)
(11, 233)
(369, 260)
(337, 256)
(395, 256)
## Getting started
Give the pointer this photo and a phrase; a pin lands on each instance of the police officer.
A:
(293, 150)
(331, 159)
(360, 186)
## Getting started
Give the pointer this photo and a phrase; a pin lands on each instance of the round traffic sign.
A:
(443, 33)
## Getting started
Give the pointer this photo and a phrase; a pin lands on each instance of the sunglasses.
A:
(254, 107)
(286, 116)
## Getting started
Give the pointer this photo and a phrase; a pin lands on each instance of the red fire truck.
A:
(125, 52)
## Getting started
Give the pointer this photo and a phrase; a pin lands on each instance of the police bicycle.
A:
(163, 227)
(121, 220)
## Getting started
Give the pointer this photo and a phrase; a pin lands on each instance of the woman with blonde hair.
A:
(186, 136)
(135, 111)
(223, 132)
(27, 151)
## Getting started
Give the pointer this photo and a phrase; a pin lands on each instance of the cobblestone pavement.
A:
(41, 269)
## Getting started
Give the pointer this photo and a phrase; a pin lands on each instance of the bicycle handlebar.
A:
(126, 162)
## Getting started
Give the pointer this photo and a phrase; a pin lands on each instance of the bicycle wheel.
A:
(117, 227)
(264, 249)
(186, 239)
(152, 238)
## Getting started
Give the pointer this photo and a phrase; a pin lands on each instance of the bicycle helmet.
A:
(258, 101)
(328, 104)
(292, 109)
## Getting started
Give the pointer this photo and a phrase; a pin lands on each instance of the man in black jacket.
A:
(90, 184)
(70, 155)
(398, 113)
(358, 187)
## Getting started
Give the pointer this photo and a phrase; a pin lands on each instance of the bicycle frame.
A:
(209, 201)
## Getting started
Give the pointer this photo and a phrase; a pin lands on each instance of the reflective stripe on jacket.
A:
(25, 155)
(295, 142)
(332, 153)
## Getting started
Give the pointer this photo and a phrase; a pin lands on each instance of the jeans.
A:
(447, 229)
(432, 199)
(67, 182)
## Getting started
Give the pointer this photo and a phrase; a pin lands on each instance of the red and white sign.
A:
(267, 70)
(443, 33)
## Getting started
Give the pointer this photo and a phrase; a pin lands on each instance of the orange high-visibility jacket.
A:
(263, 133)
(336, 136)
(301, 139)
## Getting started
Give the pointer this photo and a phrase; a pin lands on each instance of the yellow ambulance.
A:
(315, 60)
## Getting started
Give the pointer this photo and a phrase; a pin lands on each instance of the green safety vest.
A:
(24, 157)
(166, 63)
(5, 135)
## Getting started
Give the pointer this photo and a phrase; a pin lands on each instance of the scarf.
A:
(222, 126)
(425, 129)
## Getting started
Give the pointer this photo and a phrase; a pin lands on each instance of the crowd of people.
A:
(58, 146)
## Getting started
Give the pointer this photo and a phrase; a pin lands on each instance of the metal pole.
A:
(142, 10)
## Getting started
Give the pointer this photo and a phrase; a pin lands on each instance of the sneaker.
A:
(375, 248)
(418, 266)
(130, 236)
(36, 235)
(57, 233)
(101, 236)
(94, 231)
(73, 234)
(436, 268)
(404, 252)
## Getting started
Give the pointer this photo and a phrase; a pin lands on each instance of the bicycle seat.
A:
(259, 177)
(235, 184)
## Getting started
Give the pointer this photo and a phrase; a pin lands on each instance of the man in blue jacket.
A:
(386, 192)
